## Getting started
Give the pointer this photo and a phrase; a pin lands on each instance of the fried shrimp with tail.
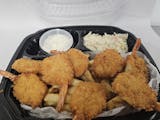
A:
(58, 70)
(135, 91)
(87, 100)
(24, 65)
(27, 88)
(78, 59)
(136, 64)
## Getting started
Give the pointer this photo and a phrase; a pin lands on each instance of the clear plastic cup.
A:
(59, 44)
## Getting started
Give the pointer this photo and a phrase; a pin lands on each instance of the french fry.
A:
(87, 76)
(51, 99)
(75, 82)
(55, 88)
(71, 90)
(115, 102)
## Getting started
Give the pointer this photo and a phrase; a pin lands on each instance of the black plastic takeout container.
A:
(10, 108)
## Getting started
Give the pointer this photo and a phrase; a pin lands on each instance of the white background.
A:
(19, 18)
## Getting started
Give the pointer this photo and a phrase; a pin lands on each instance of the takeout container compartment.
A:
(33, 50)
(43, 38)
(30, 48)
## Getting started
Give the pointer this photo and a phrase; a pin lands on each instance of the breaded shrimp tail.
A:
(136, 46)
(8, 75)
(135, 64)
(62, 96)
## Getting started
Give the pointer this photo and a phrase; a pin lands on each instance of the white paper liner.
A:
(50, 112)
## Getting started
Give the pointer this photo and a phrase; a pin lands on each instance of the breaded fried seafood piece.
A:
(136, 64)
(24, 65)
(58, 70)
(87, 100)
(27, 88)
(135, 91)
(107, 64)
(79, 60)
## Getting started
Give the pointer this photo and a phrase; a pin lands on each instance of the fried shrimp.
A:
(58, 70)
(79, 60)
(24, 65)
(27, 88)
(136, 64)
(135, 91)
(107, 64)
(87, 100)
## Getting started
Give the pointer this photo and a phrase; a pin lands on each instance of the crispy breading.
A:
(24, 65)
(79, 60)
(88, 100)
(58, 70)
(27, 88)
(135, 91)
(107, 64)
(136, 64)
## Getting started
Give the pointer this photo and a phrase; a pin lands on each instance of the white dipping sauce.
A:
(57, 42)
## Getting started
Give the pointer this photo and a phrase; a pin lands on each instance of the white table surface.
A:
(19, 18)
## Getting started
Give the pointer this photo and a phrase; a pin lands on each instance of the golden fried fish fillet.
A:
(107, 64)
(79, 60)
(27, 88)
(135, 91)
(24, 65)
(87, 100)
(136, 64)
(58, 70)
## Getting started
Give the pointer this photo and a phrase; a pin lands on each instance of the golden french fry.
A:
(51, 99)
(115, 102)
(76, 82)
(71, 90)
(87, 76)
(55, 88)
